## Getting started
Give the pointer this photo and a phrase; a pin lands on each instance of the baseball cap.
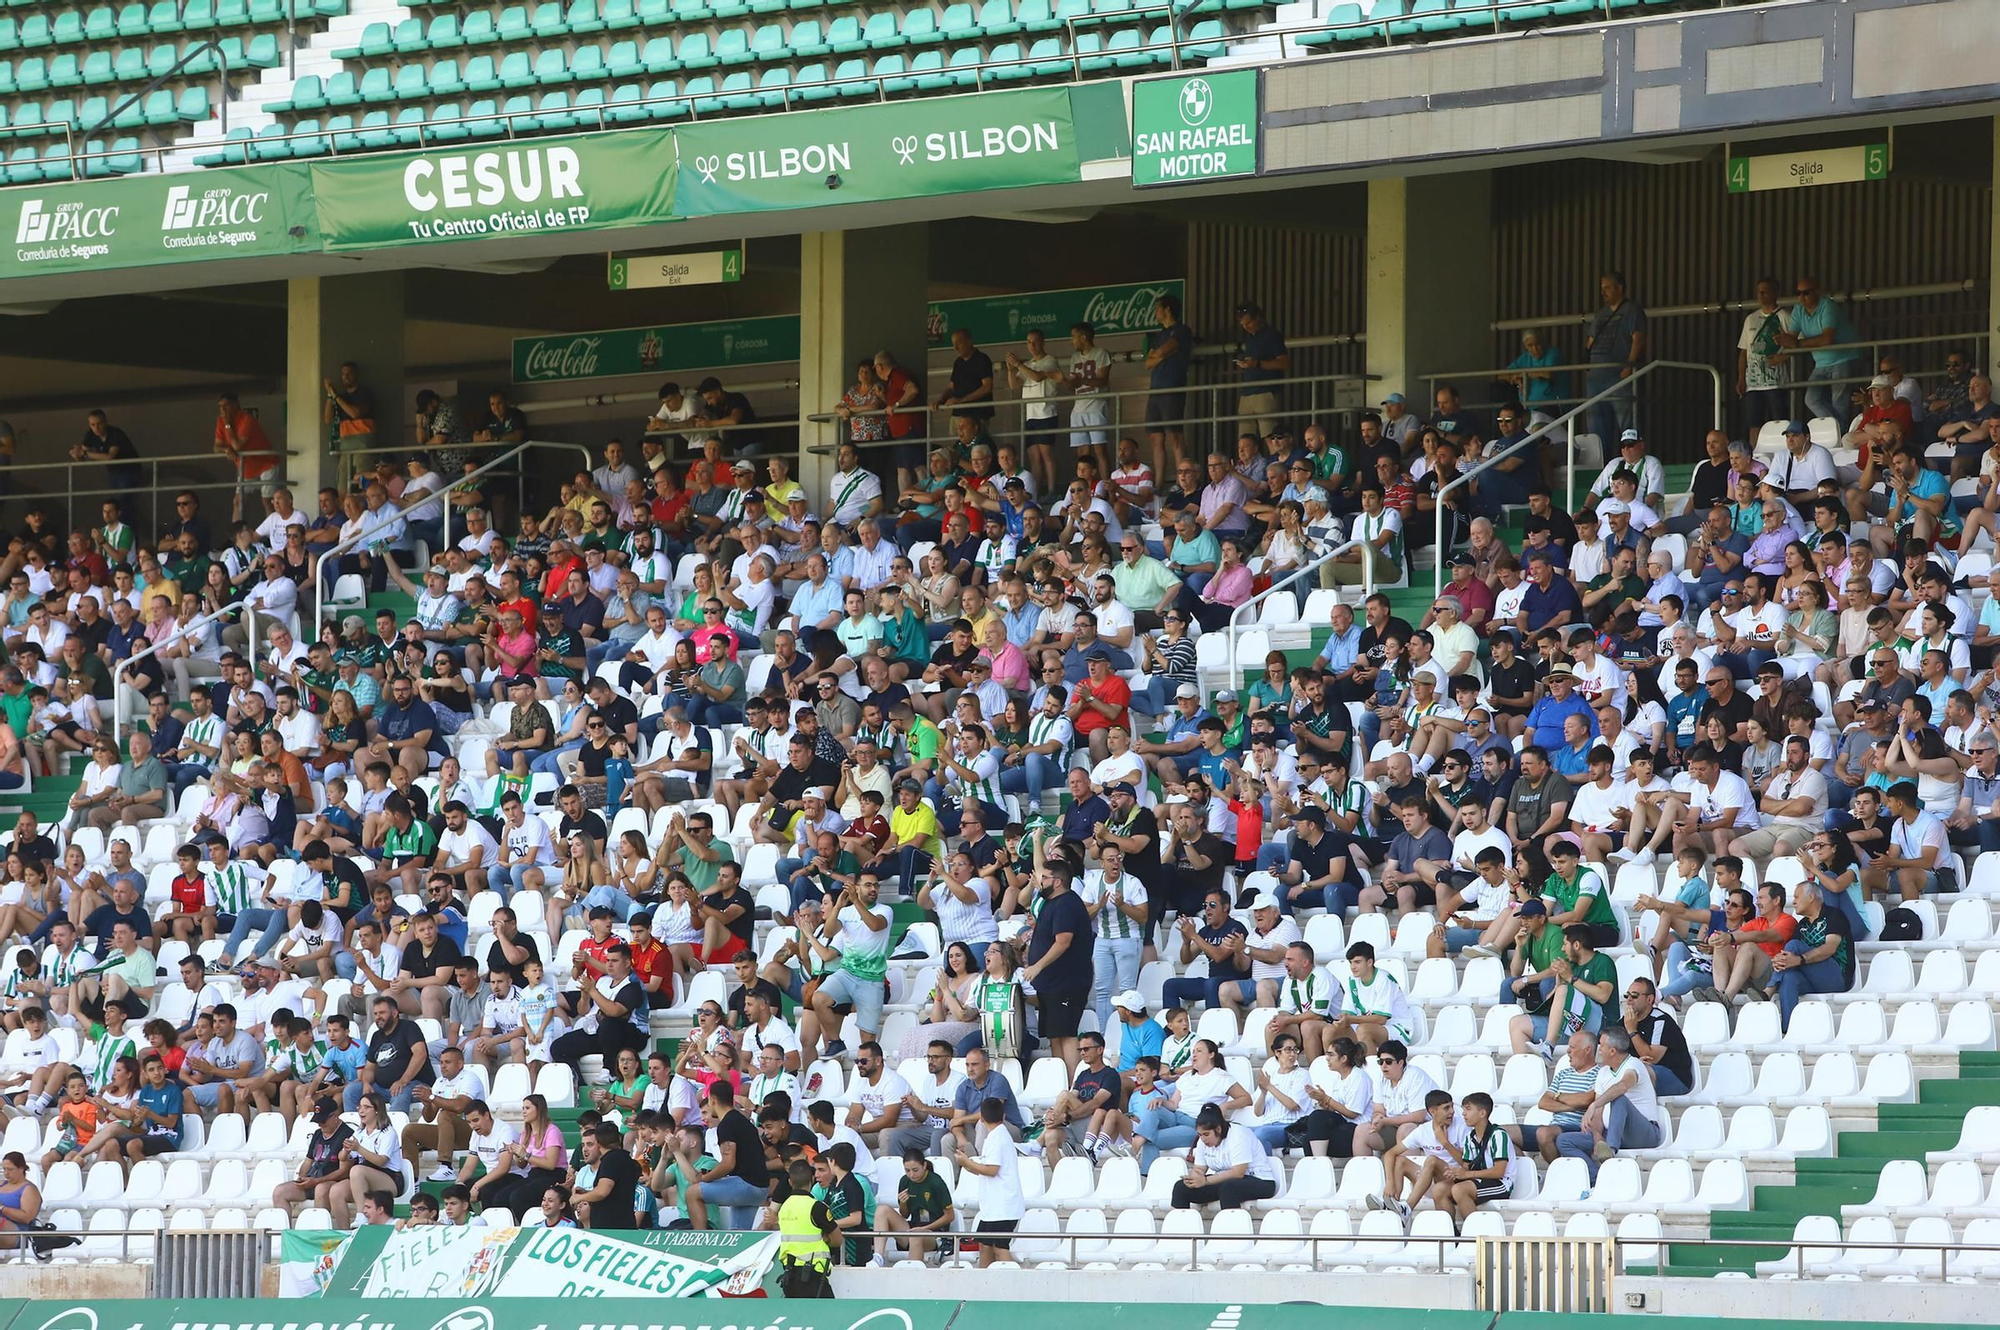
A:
(1226, 695)
(1393, 399)
(1187, 690)
(1629, 436)
(269, 961)
(1531, 908)
(1796, 427)
(1881, 381)
(1611, 507)
(911, 785)
(1130, 1000)
(1463, 560)
(353, 624)
(440, 570)
(1263, 900)
(1100, 654)
(1870, 704)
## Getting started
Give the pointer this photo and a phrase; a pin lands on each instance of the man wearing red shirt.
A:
(592, 954)
(1738, 965)
(241, 438)
(1885, 421)
(652, 964)
(1098, 703)
(563, 560)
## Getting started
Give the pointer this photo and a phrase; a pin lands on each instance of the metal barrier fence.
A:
(1545, 1274)
(152, 489)
(226, 1263)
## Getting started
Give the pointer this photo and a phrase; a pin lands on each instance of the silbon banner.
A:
(1109, 310)
(252, 212)
(866, 154)
(611, 352)
(590, 183)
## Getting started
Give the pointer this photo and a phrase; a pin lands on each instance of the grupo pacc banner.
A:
(134, 221)
(1109, 310)
(586, 183)
(437, 1262)
(866, 154)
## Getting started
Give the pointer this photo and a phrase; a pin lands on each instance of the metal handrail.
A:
(181, 632)
(1236, 615)
(347, 543)
(1540, 431)
(1116, 423)
(221, 85)
(71, 493)
(1742, 306)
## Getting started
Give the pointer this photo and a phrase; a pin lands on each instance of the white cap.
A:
(270, 961)
(1130, 1001)
(1881, 381)
(1263, 900)
(1187, 690)
(1611, 506)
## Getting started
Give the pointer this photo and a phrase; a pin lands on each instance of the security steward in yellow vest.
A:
(806, 1232)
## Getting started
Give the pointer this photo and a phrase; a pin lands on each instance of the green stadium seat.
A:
(964, 67)
(769, 6)
(513, 24)
(31, 74)
(67, 30)
(769, 45)
(1523, 13)
(517, 71)
(134, 114)
(931, 75)
(959, 23)
(375, 85)
(925, 62)
(1091, 58)
(10, 37)
(737, 93)
(192, 106)
(550, 69)
(309, 142)
(375, 40)
(732, 47)
(262, 51)
(477, 30)
(1205, 41)
(659, 56)
(163, 18)
(1005, 60)
(620, 15)
(1066, 10)
(92, 112)
(552, 112)
(1036, 16)
(1425, 16)
(1128, 49)
(483, 121)
(624, 107)
(518, 113)
(408, 128)
(1473, 15)
(547, 20)
(880, 32)
(664, 100)
(843, 36)
(232, 13)
(28, 114)
(851, 79)
(56, 163)
(132, 21)
(340, 134)
(809, 84)
(124, 157)
(411, 84)
(308, 94)
(270, 144)
(1574, 8)
(691, 11)
(35, 32)
(583, 18)
(724, 10)
(129, 65)
(342, 90)
(624, 61)
(654, 13)
(96, 160)
(586, 65)
(589, 106)
(65, 71)
(100, 24)
(1047, 59)
(24, 167)
(407, 37)
(6, 77)
(996, 18)
(889, 71)
(443, 34)
(60, 112)
(920, 27)
(266, 11)
(440, 129)
(701, 94)
(694, 52)
(774, 89)
(806, 41)
(480, 75)
(442, 80)
(375, 131)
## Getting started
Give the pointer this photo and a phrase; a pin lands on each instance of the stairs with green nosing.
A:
(1822, 1186)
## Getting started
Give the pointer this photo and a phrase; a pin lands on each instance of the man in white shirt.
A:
(1716, 807)
(1270, 934)
(466, 849)
(1793, 805)
(854, 492)
(1439, 1140)
(1622, 1116)
(1374, 1009)
(1795, 477)
(880, 1097)
(1595, 804)
(1306, 997)
(1230, 1166)
(298, 727)
(1633, 457)
(494, 1147)
(929, 1102)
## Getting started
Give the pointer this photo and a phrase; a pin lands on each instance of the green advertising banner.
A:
(590, 183)
(253, 211)
(1109, 310)
(865, 154)
(1200, 127)
(611, 352)
(541, 1313)
(438, 1261)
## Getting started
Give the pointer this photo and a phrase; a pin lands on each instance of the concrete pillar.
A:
(1429, 281)
(859, 292)
(329, 320)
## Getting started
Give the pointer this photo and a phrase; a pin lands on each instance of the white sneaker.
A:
(1645, 857)
(444, 1173)
(1402, 1209)
(1380, 1203)
(1620, 855)
(1478, 949)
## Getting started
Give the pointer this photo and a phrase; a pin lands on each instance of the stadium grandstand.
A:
(1008, 654)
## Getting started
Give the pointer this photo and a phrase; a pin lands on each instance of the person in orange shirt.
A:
(77, 1117)
(240, 437)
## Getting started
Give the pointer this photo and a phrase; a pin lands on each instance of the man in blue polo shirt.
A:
(1548, 716)
(1550, 601)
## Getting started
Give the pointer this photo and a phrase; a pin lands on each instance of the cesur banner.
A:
(253, 211)
(865, 154)
(589, 183)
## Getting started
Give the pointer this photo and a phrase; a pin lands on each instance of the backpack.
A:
(1902, 924)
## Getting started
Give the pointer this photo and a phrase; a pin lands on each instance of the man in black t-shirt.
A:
(729, 916)
(1657, 1039)
(1200, 859)
(612, 1196)
(397, 1059)
(423, 986)
(740, 1181)
(804, 770)
(326, 1164)
(1059, 964)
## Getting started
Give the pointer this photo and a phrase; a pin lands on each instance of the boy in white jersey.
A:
(538, 1016)
(1374, 1009)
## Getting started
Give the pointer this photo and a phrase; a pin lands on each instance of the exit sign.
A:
(1799, 170)
(651, 270)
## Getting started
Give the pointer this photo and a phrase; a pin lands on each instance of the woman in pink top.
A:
(1226, 590)
(541, 1150)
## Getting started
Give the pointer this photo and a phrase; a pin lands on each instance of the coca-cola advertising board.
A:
(1001, 320)
(611, 352)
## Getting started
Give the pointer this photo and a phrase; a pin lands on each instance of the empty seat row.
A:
(165, 17)
(133, 65)
(1444, 18)
(28, 166)
(163, 106)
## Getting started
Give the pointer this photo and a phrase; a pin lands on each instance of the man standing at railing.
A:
(239, 437)
(1616, 337)
(1263, 360)
(1167, 376)
(1820, 325)
(104, 442)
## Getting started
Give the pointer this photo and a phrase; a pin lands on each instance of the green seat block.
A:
(851, 80)
(101, 24)
(732, 47)
(443, 33)
(512, 25)
(444, 79)
(843, 36)
(738, 94)
(768, 44)
(806, 41)
(996, 18)
(626, 105)
(132, 21)
(232, 13)
(376, 87)
(550, 69)
(586, 65)
(547, 21)
(65, 71)
(31, 74)
(480, 75)
(920, 27)
(411, 84)
(620, 15)
(583, 18)
(809, 84)
(478, 30)
(880, 33)
(517, 70)
(343, 90)
(553, 113)
(695, 53)
(192, 105)
(774, 89)
(445, 124)
(624, 61)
